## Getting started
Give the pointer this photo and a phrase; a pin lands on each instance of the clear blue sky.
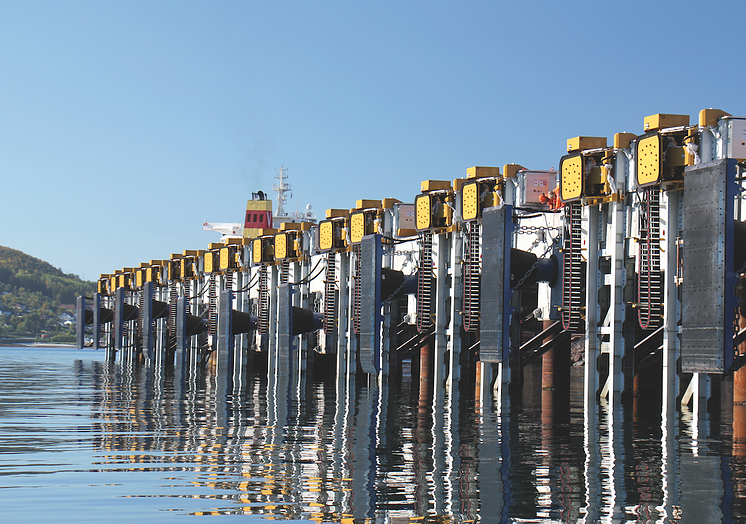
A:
(124, 125)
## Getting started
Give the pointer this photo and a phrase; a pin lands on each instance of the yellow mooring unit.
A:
(649, 160)
(479, 192)
(153, 274)
(434, 208)
(228, 258)
(208, 262)
(362, 223)
(139, 277)
(423, 212)
(571, 177)
(287, 244)
(263, 250)
(331, 234)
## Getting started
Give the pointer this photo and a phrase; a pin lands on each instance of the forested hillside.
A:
(37, 299)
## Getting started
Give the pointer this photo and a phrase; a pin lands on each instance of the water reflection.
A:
(355, 451)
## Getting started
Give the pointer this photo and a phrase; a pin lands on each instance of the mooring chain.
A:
(525, 230)
(392, 295)
(535, 264)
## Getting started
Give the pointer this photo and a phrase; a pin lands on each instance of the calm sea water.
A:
(82, 440)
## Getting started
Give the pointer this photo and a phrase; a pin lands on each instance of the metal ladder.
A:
(472, 277)
(649, 288)
(173, 296)
(213, 307)
(572, 270)
(263, 300)
(425, 282)
(284, 271)
(356, 248)
(330, 293)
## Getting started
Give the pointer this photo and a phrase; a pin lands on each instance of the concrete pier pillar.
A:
(341, 349)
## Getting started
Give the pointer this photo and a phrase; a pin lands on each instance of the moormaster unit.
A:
(633, 249)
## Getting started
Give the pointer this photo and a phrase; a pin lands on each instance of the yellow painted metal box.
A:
(663, 121)
(388, 203)
(511, 170)
(435, 185)
(581, 143)
(710, 117)
(458, 183)
(622, 140)
(367, 204)
(337, 213)
(482, 172)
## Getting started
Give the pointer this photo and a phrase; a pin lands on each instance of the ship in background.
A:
(259, 214)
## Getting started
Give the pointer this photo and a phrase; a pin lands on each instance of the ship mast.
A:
(281, 187)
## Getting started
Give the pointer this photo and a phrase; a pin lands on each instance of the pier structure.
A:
(631, 249)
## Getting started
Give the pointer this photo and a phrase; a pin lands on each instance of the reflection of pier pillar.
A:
(491, 447)
(342, 462)
(478, 404)
(425, 375)
(364, 453)
(739, 413)
(697, 393)
(422, 456)
(738, 437)
(555, 420)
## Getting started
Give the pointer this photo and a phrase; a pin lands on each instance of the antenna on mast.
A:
(281, 187)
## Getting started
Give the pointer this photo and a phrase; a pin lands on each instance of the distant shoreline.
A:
(7, 344)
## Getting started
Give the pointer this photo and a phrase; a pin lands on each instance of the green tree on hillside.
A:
(31, 293)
